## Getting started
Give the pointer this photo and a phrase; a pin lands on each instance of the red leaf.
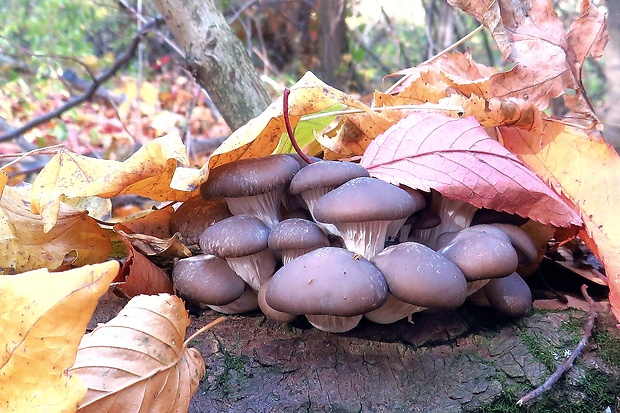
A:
(457, 158)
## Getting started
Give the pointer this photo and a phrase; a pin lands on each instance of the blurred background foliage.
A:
(350, 44)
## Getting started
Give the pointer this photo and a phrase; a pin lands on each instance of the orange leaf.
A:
(586, 170)
(43, 318)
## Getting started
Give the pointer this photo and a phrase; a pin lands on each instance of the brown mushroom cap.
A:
(364, 199)
(327, 281)
(420, 276)
(481, 255)
(237, 236)
(250, 176)
(197, 214)
(325, 174)
(509, 295)
(206, 279)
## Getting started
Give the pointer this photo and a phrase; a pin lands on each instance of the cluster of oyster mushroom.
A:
(326, 241)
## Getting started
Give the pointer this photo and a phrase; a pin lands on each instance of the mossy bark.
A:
(462, 361)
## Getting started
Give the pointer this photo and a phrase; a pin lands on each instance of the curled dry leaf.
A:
(24, 245)
(153, 171)
(138, 361)
(139, 275)
(457, 158)
(155, 222)
(43, 316)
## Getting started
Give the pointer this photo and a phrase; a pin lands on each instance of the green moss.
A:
(608, 347)
(233, 373)
(600, 391)
(540, 349)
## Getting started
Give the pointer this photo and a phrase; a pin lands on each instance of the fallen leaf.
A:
(262, 135)
(139, 275)
(138, 361)
(155, 222)
(526, 31)
(43, 318)
(26, 246)
(150, 172)
(582, 167)
(457, 158)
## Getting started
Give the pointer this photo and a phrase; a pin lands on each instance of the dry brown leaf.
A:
(26, 246)
(138, 361)
(153, 246)
(42, 319)
(139, 275)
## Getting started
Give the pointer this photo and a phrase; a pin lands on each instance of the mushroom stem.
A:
(265, 207)
(289, 128)
(334, 324)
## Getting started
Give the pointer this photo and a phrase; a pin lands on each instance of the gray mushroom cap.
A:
(362, 200)
(481, 255)
(206, 279)
(325, 174)
(509, 295)
(248, 177)
(296, 233)
(418, 275)
(237, 236)
(327, 281)
(197, 214)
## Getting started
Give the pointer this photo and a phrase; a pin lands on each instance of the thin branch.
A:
(121, 62)
(568, 364)
(289, 129)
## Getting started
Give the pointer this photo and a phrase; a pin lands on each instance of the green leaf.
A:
(305, 130)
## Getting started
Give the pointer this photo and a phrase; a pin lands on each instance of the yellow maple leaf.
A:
(24, 245)
(150, 172)
(42, 320)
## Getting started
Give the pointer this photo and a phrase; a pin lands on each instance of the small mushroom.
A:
(362, 209)
(328, 281)
(246, 303)
(242, 241)
(195, 215)
(269, 311)
(522, 243)
(253, 186)
(294, 237)
(318, 178)
(481, 255)
(206, 279)
(509, 295)
(421, 277)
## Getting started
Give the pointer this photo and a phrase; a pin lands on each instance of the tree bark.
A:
(612, 73)
(217, 59)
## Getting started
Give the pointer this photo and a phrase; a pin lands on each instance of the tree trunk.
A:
(217, 59)
(612, 73)
(333, 41)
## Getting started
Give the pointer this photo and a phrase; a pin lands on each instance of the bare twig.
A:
(568, 364)
(90, 92)
(289, 129)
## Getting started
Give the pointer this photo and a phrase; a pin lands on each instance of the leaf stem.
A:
(205, 328)
(289, 129)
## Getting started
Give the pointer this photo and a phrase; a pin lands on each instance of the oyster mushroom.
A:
(242, 241)
(362, 209)
(294, 237)
(206, 279)
(420, 277)
(331, 286)
(252, 186)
